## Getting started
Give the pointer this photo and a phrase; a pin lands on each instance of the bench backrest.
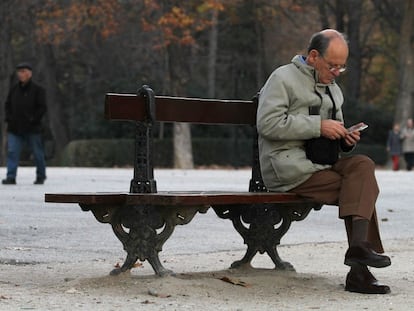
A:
(145, 109)
(180, 109)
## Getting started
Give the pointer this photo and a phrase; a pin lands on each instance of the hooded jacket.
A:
(25, 107)
(284, 123)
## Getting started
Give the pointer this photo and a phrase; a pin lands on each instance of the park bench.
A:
(143, 218)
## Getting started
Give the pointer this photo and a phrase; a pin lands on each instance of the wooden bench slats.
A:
(87, 198)
(175, 198)
(180, 109)
(212, 198)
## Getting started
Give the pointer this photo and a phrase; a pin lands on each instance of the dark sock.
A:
(359, 231)
(348, 227)
(359, 269)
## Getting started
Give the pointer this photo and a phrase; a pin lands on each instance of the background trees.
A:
(203, 48)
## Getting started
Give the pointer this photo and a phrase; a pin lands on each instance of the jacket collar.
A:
(26, 85)
(300, 62)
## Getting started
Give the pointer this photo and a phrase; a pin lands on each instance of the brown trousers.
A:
(351, 185)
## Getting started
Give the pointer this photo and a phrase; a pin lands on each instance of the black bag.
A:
(323, 150)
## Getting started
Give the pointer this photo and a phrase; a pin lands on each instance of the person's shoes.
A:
(39, 181)
(360, 280)
(9, 181)
(363, 254)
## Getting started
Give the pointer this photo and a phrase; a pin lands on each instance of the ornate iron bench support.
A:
(143, 230)
(262, 226)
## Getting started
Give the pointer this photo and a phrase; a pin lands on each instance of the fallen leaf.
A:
(72, 291)
(137, 265)
(156, 294)
(234, 281)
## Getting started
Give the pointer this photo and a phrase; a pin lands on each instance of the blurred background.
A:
(226, 49)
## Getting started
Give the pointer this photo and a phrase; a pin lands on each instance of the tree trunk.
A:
(406, 67)
(47, 65)
(182, 146)
(353, 76)
(212, 55)
(323, 15)
(183, 153)
(6, 69)
(260, 79)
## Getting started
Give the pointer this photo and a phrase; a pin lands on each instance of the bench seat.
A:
(174, 198)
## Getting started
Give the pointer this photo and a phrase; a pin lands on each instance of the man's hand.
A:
(333, 129)
(352, 138)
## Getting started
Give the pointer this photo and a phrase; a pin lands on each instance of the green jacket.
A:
(284, 123)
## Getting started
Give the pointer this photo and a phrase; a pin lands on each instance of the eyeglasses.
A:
(332, 68)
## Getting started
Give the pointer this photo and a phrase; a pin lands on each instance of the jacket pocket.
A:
(291, 165)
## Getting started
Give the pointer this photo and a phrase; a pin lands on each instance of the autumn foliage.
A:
(179, 21)
(58, 22)
(82, 49)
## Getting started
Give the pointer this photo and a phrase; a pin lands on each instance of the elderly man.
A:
(286, 120)
(25, 107)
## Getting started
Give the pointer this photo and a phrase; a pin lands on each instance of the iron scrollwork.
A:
(262, 226)
(143, 181)
(144, 229)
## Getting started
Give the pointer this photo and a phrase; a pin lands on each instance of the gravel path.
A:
(56, 257)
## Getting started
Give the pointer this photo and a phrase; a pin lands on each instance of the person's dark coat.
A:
(25, 108)
(394, 144)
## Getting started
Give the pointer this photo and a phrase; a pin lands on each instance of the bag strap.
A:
(315, 110)
(328, 91)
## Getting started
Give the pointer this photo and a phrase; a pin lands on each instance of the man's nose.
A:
(336, 72)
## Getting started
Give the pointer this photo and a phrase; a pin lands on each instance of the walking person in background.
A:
(25, 108)
(407, 136)
(394, 147)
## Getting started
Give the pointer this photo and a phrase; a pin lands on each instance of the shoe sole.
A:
(376, 264)
(384, 290)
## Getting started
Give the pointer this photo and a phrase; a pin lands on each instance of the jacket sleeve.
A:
(41, 106)
(345, 148)
(8, 108)
(275, 118)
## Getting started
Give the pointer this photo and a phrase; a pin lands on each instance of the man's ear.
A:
(312, 56)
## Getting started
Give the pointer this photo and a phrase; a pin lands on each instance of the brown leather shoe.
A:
(360, 280)
(363, 254)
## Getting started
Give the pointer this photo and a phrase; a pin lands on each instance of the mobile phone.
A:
(357, 127)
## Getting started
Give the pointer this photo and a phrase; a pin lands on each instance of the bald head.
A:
(332, 33)
(320, 41)
(328, 53)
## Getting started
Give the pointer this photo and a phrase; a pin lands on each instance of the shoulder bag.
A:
(323, 150)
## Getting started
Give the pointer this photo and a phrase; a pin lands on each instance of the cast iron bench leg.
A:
(143, 230)
(136, 227)
(262, 226)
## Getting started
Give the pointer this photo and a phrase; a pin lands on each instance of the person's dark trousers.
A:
(14, 148)
(409, 160)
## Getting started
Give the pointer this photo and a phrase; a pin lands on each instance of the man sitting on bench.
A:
(295, 105)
